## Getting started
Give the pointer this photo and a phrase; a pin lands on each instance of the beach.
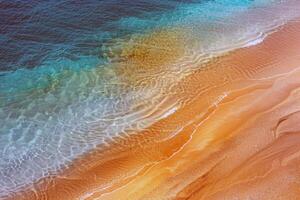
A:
(232, 134)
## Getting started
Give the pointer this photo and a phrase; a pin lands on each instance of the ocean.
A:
(77, 74)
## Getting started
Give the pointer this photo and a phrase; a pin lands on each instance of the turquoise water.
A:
(61, 92)
(84, 49)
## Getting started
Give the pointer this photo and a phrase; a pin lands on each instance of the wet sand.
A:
(235, 135)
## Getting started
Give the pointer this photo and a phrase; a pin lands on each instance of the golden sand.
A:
(146, 57)
(235, 136)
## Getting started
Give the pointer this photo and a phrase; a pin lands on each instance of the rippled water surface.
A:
(74, 74)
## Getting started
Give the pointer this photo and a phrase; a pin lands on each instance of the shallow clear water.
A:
(74, 74)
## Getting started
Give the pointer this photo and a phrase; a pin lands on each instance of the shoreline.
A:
(176, 158)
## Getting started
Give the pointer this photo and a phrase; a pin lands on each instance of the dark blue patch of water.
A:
(35, 31)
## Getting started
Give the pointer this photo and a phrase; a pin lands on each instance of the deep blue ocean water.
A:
(34, 32)
(47, 37)
(57, 84)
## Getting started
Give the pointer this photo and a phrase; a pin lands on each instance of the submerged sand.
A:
(235, 135)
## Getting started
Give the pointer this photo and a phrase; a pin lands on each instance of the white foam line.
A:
(169, 112)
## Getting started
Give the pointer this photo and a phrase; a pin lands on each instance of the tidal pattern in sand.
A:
(86, 81)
